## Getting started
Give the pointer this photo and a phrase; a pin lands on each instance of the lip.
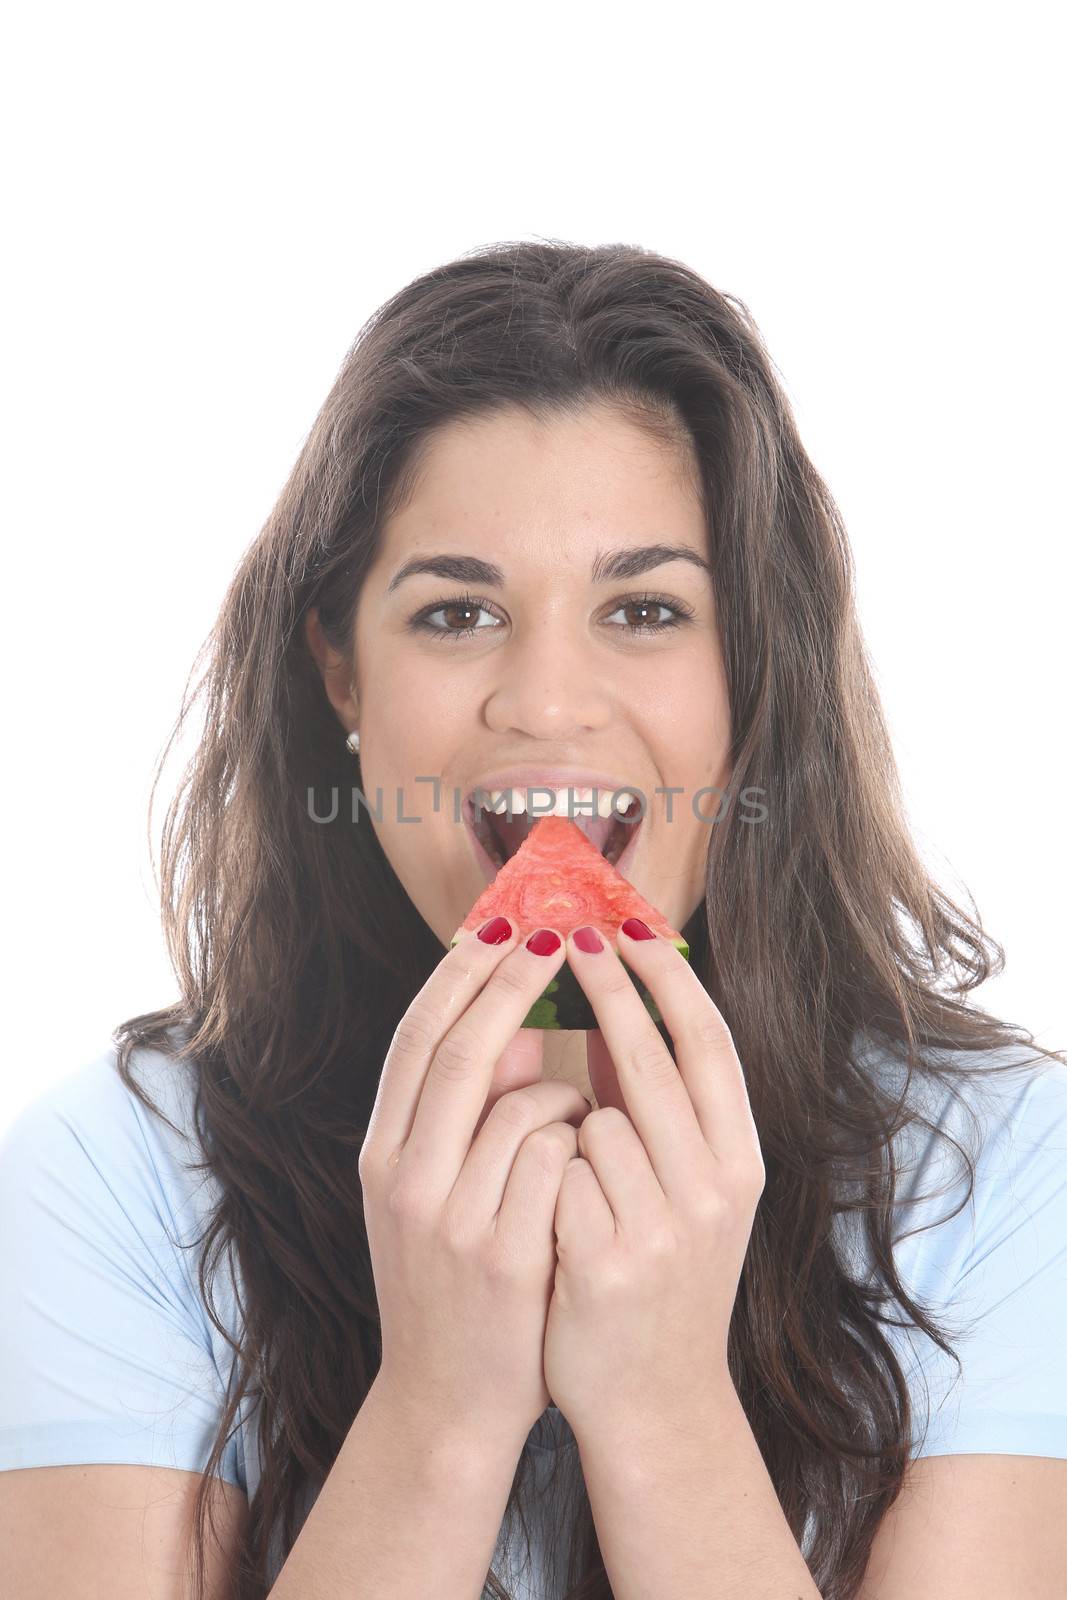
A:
(530, 776)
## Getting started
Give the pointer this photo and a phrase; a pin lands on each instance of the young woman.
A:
(333, 1259)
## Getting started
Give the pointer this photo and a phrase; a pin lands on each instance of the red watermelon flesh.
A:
(558, 879)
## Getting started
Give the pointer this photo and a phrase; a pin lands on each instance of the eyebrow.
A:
(608, 566)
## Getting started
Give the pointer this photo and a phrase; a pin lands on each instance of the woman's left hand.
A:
(655, 1213)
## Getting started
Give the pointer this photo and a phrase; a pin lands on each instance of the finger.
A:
(479, 1190)
(657, 1101)
(707, 1061)
(608, 1140)
(457, 1079)
(523, 1222)
(443, 998)
(584, 1223)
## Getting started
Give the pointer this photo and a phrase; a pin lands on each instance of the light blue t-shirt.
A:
(107, 1353)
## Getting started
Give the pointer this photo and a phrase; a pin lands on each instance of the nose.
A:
(545, 686)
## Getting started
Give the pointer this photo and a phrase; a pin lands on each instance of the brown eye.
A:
(645, 606)
(460, 612)
(450, 612)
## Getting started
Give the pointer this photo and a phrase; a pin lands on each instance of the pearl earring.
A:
(353, 741)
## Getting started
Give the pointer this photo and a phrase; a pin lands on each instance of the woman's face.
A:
(551, 677)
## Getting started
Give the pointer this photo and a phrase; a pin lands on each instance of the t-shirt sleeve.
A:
(997, 1272)
(105, 1355)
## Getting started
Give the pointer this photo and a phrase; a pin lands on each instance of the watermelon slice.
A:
(558, 879)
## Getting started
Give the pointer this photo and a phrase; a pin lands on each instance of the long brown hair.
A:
(818, 923)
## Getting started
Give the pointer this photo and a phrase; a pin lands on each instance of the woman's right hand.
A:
(460, 1191)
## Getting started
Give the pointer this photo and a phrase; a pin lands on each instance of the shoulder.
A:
(95, 1182)
(89, 1127)
(986, 1259)
(108, 1352)
(1006, 1108)
(982, 1145)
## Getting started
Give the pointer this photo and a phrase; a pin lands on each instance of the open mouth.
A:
(500, 839)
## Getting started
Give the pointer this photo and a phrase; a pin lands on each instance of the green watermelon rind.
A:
(571, 1010)
(542, 1014)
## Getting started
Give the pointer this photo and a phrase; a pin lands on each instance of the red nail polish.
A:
(496, 931)
(543, 942)
(634, 928)
(588, 939)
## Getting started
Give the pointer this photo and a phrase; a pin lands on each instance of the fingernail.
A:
(543, 942)
(496, 931)
(634, 928)
(588, 939)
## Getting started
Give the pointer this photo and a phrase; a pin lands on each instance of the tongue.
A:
(511, 834)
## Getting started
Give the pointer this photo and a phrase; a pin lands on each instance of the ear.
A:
(336, 670)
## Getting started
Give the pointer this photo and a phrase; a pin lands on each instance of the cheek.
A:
(420, 722)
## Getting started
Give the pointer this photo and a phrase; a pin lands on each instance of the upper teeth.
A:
(583, 801)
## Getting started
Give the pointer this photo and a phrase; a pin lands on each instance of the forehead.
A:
(544, 488)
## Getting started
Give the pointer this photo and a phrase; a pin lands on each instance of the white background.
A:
(204, 203)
